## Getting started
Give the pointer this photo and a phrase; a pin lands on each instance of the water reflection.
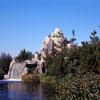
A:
(25, 91)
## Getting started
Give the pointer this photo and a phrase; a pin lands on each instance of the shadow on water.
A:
(25, 91)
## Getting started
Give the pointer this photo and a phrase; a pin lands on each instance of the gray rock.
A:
(55, 40)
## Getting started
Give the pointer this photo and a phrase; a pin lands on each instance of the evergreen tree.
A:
(5, 62)
(60, 64)
(24, 55)
(73, 39)
(74, 60)
(90, 56)
(94, 40)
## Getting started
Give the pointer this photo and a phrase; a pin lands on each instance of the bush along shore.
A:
(39, 78)
(81, 87)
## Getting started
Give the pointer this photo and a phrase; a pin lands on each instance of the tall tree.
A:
(5, 60)
(90, 54)
(73, 39)
(94, 39)
(24, 55)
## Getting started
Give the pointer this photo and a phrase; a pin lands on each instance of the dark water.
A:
(25, 91)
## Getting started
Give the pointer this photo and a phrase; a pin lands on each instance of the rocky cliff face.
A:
(55, 40)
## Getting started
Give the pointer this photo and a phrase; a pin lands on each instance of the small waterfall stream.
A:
(50, 45)
(17, 70)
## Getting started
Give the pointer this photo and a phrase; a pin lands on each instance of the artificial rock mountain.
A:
(55, 40)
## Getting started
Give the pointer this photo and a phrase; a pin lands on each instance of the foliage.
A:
(72, 40)
(47, 79)
(49, 59)
(5, 60)
(90, 54)
(1, 75)
(24, 55)
(38, 78)
(81, 87)
(74, 60)
(31, 78)
(63, 62)
(56, 64)
(94, 39)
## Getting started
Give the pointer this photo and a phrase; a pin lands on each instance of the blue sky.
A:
(25, 23)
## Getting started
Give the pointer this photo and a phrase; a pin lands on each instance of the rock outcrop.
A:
(55, 40)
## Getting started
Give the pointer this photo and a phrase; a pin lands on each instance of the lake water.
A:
(11, 90)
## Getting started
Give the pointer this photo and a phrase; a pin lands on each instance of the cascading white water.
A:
(50, 44)
(17, 70)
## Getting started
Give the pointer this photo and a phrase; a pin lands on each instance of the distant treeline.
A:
(5, 60)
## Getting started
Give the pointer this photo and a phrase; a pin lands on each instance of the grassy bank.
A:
(31, 78)
(39, 78)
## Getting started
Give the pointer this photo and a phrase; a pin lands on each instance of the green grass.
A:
(39, 78)
(31, 78)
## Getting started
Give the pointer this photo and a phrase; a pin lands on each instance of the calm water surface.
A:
(25, 91)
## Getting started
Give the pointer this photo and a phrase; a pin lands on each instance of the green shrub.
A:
(47, 79)
(81, 87)
(39, 78)
(31, 78)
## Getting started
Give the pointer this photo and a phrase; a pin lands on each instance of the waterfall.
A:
(50, 44)
(17, 70)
